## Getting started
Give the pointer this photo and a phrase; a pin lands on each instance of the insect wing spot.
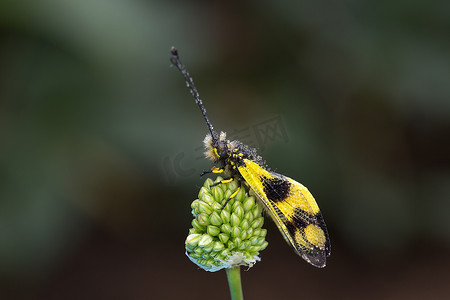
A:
(276, 189)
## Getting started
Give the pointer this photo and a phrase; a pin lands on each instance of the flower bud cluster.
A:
(228, 237)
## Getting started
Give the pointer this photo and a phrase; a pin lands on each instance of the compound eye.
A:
(222, 149)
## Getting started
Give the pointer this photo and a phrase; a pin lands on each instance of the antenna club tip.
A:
(174, 51)
(174, 59)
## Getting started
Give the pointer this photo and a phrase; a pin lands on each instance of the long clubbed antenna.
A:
(175, 60)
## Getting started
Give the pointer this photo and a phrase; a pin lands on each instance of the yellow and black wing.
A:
(293, 209)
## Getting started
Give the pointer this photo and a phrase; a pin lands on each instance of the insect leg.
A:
(223, 181)
(232, 195)
(213, 170)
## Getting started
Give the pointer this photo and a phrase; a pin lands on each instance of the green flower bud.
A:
(237, 242)
(203, 219)
(227, 195)
(217, 206)
(208, 198)
(239, 211)
(194, 207)
(264, 245)
(209, 248)
(225, 215)
(215, 219)
(244, 224)
(217, 193)
(244, 245)
(240, 195)
(228, 237)
(235, 232)
(197, 226)
(257, 223)
(249, 204)
(205, 240)
(224, 237)
(213, 230)
(208, 183)
(253, 240)
(250, 232)
(231, 245)
(203, 207)
(254, 248)
(257, 210)
(193, 239)
(203, 191)
(199, 250)
(226, 228)
(235, 220)
(263, 233)
(249, 217)
(218, 246)
(259, 241)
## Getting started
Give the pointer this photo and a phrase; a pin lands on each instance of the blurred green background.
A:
(99, 142)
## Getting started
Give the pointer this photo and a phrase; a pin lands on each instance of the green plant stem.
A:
(234, 282)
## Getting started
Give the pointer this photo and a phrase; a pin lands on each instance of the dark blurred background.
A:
(100, 142)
